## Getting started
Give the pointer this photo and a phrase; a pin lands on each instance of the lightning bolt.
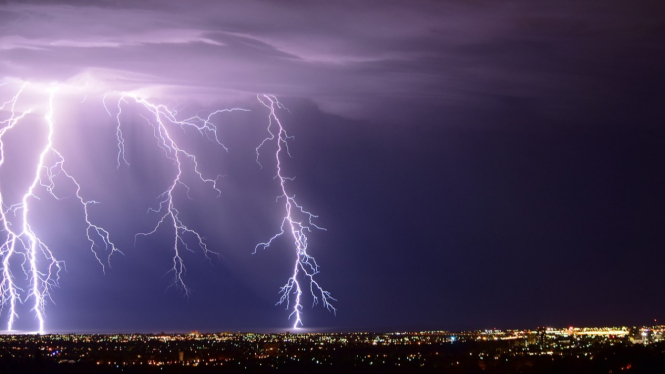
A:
(22, 248)
(297, 222)
(38, 263)
(162, 119)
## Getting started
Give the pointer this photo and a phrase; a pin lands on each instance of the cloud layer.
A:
(363, 59)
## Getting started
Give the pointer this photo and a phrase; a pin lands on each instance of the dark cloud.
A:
(339, 54)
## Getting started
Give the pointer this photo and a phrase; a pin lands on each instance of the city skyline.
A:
(561, 350)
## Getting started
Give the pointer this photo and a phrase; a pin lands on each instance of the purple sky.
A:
(476, 164)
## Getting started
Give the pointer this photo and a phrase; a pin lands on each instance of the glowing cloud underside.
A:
(21, 246)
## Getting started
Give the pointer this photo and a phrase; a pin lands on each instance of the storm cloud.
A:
(361, 59)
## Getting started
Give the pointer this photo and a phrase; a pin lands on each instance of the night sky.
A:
(475, 164)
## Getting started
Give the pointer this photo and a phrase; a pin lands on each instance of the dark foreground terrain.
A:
(433, 352)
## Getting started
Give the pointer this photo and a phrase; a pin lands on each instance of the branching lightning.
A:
(297, 223)
(161, 119)
(38, 263)
(24, 252)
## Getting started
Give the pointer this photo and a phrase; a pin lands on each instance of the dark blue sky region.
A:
(476, 164)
